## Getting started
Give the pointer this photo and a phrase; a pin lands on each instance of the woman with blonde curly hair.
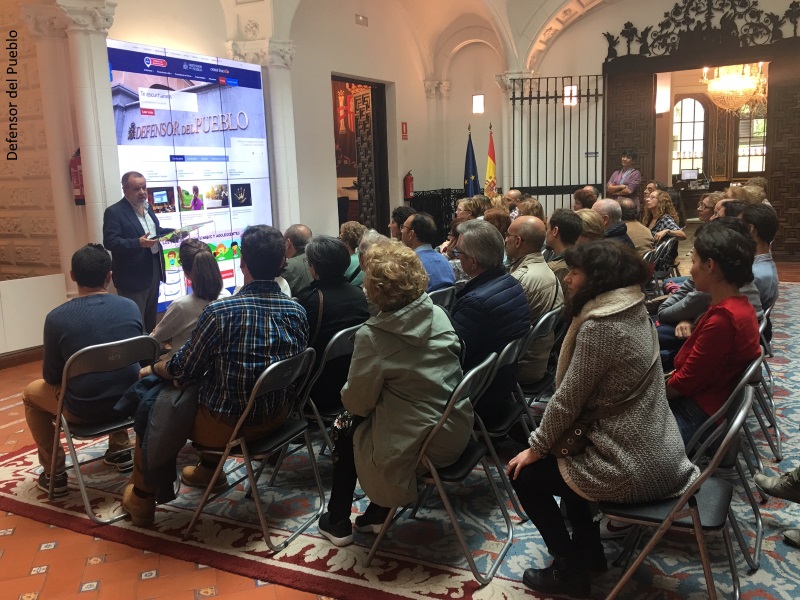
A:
(468, 208)
(660, 216)
(405, 366)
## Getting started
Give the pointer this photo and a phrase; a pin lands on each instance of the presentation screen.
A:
(194, 126)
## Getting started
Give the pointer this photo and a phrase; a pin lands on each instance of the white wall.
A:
(329, 42)
(190, 25)
(472, 71)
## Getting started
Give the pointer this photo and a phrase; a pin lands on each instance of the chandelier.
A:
(735, 86)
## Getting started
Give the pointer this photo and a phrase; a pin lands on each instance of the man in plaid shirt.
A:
(236, 338)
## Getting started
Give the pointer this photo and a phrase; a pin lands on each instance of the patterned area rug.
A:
(421, 558)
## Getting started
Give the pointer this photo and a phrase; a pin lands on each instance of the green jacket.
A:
(405, 366)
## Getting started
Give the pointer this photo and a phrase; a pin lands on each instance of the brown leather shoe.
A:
(200, 476)
(142, 511)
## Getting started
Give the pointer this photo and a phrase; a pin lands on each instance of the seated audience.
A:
(591, 225)
(236, 338)
(399, 216)
(731, 208)
(512, 198)
(490, 311)
(468, 208)
(530, 206)
(295, 271)
(677, 204)
(607, 308)
(660, 217)
(762, 222)
(483, 201)
(653, 186)
(419, 232)
(201, 269)
(499, 218)
(583, 198)
(404, 368)
(350, 233)
(705, 208)
(749, 194)
(541, 286)
(614, 229)
(563, 230)
(93, 317)
(761, 183)
(452, 237)
(726, 338)
(640, 235)
(331, 304)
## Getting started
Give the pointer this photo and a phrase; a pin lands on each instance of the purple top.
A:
(631, 178)
(197, 203)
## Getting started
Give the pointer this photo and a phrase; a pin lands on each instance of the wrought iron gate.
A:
(556, 136)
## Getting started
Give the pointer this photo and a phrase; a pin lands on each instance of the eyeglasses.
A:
(704, 207)
(521, 239)
(405, 227)
(457, 253)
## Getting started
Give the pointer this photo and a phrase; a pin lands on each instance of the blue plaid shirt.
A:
(236, 338)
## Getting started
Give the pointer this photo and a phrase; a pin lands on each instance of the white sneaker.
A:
(613, 529)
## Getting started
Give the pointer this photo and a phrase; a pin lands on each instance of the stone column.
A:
(47, 25)
(504, 159)
(444, 100)
(88, 22)
(435, 130)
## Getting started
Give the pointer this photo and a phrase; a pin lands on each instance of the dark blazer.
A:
(132, 265)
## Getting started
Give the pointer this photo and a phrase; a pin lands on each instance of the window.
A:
(688, 135)
(751, 139)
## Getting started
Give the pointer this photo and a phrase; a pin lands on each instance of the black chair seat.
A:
(533, 389)
(713, 501)
(93, 430)
(500, 424)
(460, 469)
(272, 442)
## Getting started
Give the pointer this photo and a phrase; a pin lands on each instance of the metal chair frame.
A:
(547, 323)
(277, 376)
(100, 358)
(676, 513)
(472, 383)
(444, 297)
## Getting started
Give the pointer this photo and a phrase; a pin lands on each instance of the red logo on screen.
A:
(147, 112)
(227, 274)
(223, 80)
(154, 62)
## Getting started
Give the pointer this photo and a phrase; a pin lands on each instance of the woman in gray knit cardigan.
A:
(634, 451)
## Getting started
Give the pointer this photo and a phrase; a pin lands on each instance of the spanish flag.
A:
(491, 167)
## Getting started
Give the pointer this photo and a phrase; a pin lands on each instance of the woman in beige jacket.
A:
(633, 455)
(405, 366)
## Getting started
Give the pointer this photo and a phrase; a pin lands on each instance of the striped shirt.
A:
(236, 338)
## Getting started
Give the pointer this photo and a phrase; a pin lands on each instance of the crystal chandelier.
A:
(734, 86)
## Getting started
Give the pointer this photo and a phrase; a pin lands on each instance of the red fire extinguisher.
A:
(408, 186)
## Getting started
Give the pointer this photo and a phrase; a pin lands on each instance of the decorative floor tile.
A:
(6, 531)
(95, 560)
(48, 545)
(208, 592)
(29, 596)
(39, 570)
(148, 575)
(89, 586)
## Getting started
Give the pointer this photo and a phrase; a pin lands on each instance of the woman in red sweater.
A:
(725, 339)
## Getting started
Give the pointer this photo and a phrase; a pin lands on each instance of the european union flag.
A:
(471, 180)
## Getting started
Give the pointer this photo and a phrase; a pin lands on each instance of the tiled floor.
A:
(39, 562)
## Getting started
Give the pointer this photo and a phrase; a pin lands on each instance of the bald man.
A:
(543, 291)
(610, 212)
(512, 198)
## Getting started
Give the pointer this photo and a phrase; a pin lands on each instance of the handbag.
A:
(574, 440)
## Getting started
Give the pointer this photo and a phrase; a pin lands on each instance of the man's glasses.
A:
(508, 235)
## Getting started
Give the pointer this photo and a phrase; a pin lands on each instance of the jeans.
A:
(689, 416)
(536, 485)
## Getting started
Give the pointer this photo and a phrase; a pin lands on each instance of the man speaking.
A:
(129, 227)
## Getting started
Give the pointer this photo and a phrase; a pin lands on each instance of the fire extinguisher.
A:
(408, 186)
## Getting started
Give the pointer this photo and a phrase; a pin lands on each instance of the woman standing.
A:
(404, 368)
(624, 183)
(634, 451)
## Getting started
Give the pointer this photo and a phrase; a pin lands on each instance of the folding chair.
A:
(444, 297)
(550, 322)
(101, 358)
(510, 355)
(704, 506)
(703, 440)
(436, 478)
(340, 346)
(278, 376)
